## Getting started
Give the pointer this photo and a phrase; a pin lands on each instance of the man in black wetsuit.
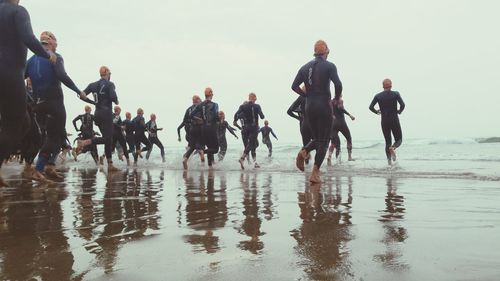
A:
(153, 129)
(194, 133)
(222, 126)
(104, 96)
(340, 125)
(388, 108)
(130, 135)
(209, 115)
(266, 139)
(316, 75)
(46, 80)
(118, 134)
(17, 37)
(86, 133)
(140, 133)
(250, 113)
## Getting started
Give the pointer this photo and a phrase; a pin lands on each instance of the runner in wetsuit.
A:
(210, 115)
(194, 133)
(153, 137)
(222, 126)
(186, 121)
(316, 75)
(46, 79)
(17, 37)
(104, 96)
(266, 139)
(388, 108)
(340, 125)
(118, 135)
(86, 133)
(250, 113)
(140, 133)
(130, 135)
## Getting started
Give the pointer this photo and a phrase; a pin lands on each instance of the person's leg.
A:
(212, 143)
(398, 138)
(347, 134)
(386, 130)
(104, 120)
(223, 148)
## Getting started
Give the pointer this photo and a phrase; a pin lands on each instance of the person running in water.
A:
(316, 75)
(186, 121)
(104, 96)
(194, 133)
(140, 133)
(266, 139)
(340, 125)
(250, 113)
(222, 126)
(17, 37)
(118, 133)
(239, 116)
(130, 135)
(86, 133)
(388, 108)
(46, 81)
(153, 137)
(210, 115)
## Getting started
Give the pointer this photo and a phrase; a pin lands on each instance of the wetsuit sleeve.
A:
(334, 76)
(179, 129)
(345, 111)
(236, 115)
(112, 93)
(74, 121)
(195, 111)
(63, 76)
(372, 105)
(401, 104)
(261, 114)
(296, 84)
(23, 27)
(292, 108)
(273, 134)
(230, 129)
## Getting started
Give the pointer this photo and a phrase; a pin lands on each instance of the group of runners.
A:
(33, 115)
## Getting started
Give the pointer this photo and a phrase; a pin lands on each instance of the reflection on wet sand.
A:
(395, 234)
(252, 222)
(325, 231)
(33, 243)
(206, 211)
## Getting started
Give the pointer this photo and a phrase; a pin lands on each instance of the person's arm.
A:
(372, 106)
(231, 130)
(112, 93)
(347, 113)
(401, 103)
(236, 116)
(63, 76)
(23, 27)
(296, 84)
(291, 110)
(261, 115)
(274, 134)
(334, 76)
(179, 130)
(86, 92)
(74, 122)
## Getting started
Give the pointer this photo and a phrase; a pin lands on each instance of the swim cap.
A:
(104, 70)
(321, 48)
(48, 38)
(196, 98)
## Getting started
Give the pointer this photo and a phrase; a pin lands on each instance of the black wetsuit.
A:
(266, 139)
(250, 113)
(140, 134)
(118, 136)
(104, 96)
(17, 36)
(316, 75)
(46, 80)
(186, 123)
(340, 125)
(222, 126)
(153, 138)
(87, 132)
(210, 115)
(297, 111)
(388, 103)
(130, 137)
(193, 134)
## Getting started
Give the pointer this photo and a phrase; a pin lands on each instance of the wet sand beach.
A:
(163, 224)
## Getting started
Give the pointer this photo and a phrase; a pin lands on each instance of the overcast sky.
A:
(441, 55)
